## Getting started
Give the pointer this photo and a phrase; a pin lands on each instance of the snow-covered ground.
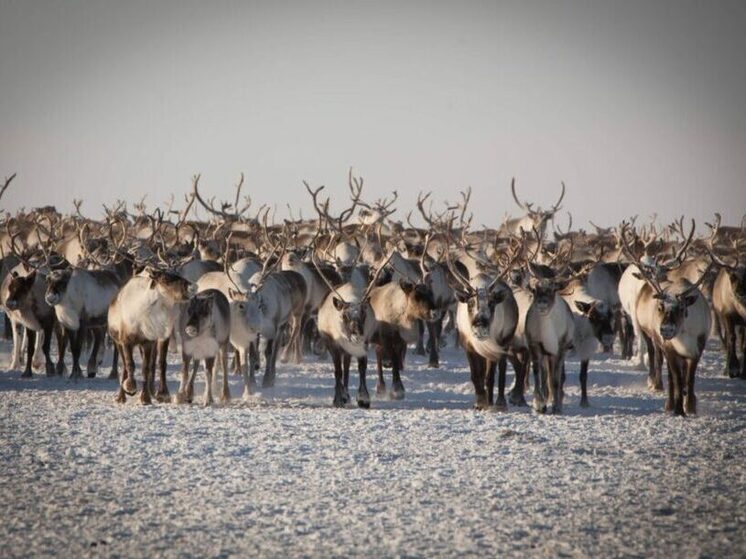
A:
(286, 474)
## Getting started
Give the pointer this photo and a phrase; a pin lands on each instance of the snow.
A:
(287, 474)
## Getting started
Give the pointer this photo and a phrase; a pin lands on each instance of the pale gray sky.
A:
(639, 106)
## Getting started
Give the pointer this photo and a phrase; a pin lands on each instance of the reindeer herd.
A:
(239, 284)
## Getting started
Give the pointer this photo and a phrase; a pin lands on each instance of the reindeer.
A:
(346, 324)
(205, 333)
(675, 321)
(81, 299)
(273, 305)
(144, 313)
(23, 298)
(594, 325)
(549, 331)
(534, 218)
(729, 304)
(486, 317)
(397, 307)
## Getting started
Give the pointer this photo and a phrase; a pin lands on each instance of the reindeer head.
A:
(353, 317)
(57, 281)
(18, 288)
(601, 317)
(199, 313)
(539, 217)
(672, 310)
(170, 285)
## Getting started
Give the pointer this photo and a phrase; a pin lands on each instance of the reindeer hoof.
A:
(584, 403)
(145, 399)
(540, 407)
(26, 374)
(51, 371)
(363, 403)
(120, 398)
(433, 365)
(556, 409)
(163, 397)
(517, 400)
(397, 393)
(225, 399)
(381, 388)
(91, 374)
(113, 375)
(338, 402)
(501, 405)
(129, 386)
(180, 398)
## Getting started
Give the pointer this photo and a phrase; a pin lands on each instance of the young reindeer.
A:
(397, 307)
(346, 324)
(273, 305)
(486, 316)
(144, 313)
(549, 332)
(205, 330)
(729, 303)
(675, 320)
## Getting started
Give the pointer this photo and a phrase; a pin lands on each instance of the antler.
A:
(556, 207)
(5, 186)
(523, 206)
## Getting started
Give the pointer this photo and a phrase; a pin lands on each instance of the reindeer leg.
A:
(37, 363)
(518, 361)
(490, 368)
(420, 349)
(225, 395)
(731, 359)
(92, 367)
(76, 342)
(182, 397)
(381, 384)
(502, 369)
(433, 344)
(557, 372)
(584, 383)
(363, 398)
(61, 334)
(690, 404)
(114, 373)
(30, 339)
(539, 392)
(269, 370)
(49, 365)
(209, 365)
(129, 384)
(148, 362)
(339, 400)
(397, 386)
(346, 359)
(477, 367)
(15, 361)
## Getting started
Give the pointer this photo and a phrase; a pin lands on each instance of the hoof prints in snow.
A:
(286, 474)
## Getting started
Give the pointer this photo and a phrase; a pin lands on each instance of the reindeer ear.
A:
(638, 276)
(14, 273)
(583, 307)
(339, 304)
(152, 283)
(497, 296)
(461, 295)
(406, 285)
(690, 299)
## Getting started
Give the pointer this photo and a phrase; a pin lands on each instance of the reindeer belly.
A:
(201, 347)
(409, 334)
(26, 319)
(68, 317)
